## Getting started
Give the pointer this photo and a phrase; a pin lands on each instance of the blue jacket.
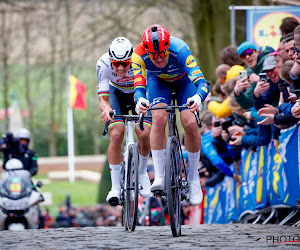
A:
(259, 136)
(271, 96)
(211, 153)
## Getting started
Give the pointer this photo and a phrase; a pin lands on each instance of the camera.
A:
(217, 124)
(227, 124)
(242, 74)
(12, 144)
(285, 93)
(263, 77)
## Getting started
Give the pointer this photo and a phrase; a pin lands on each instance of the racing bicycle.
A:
(130, 173)
(175, 172)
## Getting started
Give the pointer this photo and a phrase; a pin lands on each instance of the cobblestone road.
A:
(233, 236)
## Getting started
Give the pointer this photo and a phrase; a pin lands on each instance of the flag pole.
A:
(70, 128)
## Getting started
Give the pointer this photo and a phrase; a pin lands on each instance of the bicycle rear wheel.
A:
(173, 184)
(132, 187)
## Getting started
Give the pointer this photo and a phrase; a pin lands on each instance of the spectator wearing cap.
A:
(254, 59)
(267, 92)
(222, 110)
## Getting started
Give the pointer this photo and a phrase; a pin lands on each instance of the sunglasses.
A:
(123, 63)
(162, 54)
(247, 52)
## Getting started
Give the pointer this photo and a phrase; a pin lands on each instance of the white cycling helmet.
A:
(23, 133)
(120, 49)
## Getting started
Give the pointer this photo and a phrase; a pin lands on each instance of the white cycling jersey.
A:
(107, 76)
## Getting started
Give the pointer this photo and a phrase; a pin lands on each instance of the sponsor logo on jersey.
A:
(101, 60)
(136, 68)
(205, 89)
(190, 62)
(167, 76)
(125, 79)
(196, 72)
(137, 79)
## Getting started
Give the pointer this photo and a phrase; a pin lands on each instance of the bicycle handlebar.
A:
(196, 115)
(127, 117)
(170, 107)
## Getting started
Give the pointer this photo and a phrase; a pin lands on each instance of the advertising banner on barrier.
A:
(263, 24)
(290, 163)
(268, 178)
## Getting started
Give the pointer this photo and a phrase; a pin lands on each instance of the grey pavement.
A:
(216, 236)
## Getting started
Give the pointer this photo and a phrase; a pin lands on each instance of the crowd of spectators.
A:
(84, 216)
(258, 89)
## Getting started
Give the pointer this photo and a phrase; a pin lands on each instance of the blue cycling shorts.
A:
(123, 103)
(160, 91)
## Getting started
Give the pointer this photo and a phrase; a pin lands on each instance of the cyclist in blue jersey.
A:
(166, 64)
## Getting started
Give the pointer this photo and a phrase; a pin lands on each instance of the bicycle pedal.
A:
(159, 193)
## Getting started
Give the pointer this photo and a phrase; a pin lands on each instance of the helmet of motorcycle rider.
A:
(120, 49)
(23, 133)
(156, 38)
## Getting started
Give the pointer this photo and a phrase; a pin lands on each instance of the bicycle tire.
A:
(123, 195)
(132, 187)
(173, 184)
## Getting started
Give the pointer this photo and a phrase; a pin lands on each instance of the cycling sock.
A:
(194, 159)
(159, 162)
(115, 176)
(143, 160)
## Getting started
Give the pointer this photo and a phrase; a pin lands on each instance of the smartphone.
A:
(242, 74)
(285, 93)
(263, 77)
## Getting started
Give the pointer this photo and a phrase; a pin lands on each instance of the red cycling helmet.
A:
(156, 38)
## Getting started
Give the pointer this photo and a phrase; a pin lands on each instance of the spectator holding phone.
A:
(266, 90)
(254, 59)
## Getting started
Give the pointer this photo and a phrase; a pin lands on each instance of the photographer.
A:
(18, 148)
(208, 149)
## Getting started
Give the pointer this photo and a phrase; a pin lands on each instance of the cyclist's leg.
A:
(192, 142)
(116, 128)
(144, 151)
(159, 95)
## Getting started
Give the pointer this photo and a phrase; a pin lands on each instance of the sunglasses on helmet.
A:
(247, 52)
(162, 54)
(118, 63)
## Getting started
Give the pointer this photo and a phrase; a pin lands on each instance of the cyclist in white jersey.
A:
(116, 92)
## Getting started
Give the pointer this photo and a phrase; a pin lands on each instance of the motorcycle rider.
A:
(18, 148)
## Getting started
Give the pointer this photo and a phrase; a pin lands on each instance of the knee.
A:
(116, 136)
(191, 127)
(143, 136)
(159, 121)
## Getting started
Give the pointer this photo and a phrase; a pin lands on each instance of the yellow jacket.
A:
(220, 110)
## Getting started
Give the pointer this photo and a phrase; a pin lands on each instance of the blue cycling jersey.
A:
(181, 63)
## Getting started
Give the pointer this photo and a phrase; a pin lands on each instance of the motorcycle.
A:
(19, 200)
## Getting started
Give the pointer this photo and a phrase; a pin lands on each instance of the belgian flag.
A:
(77, 93)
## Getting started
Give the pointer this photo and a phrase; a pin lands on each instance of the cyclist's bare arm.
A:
(104, 106)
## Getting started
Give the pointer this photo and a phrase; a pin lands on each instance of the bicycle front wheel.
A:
(123, 195)
(132, 187)
(173, 184)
